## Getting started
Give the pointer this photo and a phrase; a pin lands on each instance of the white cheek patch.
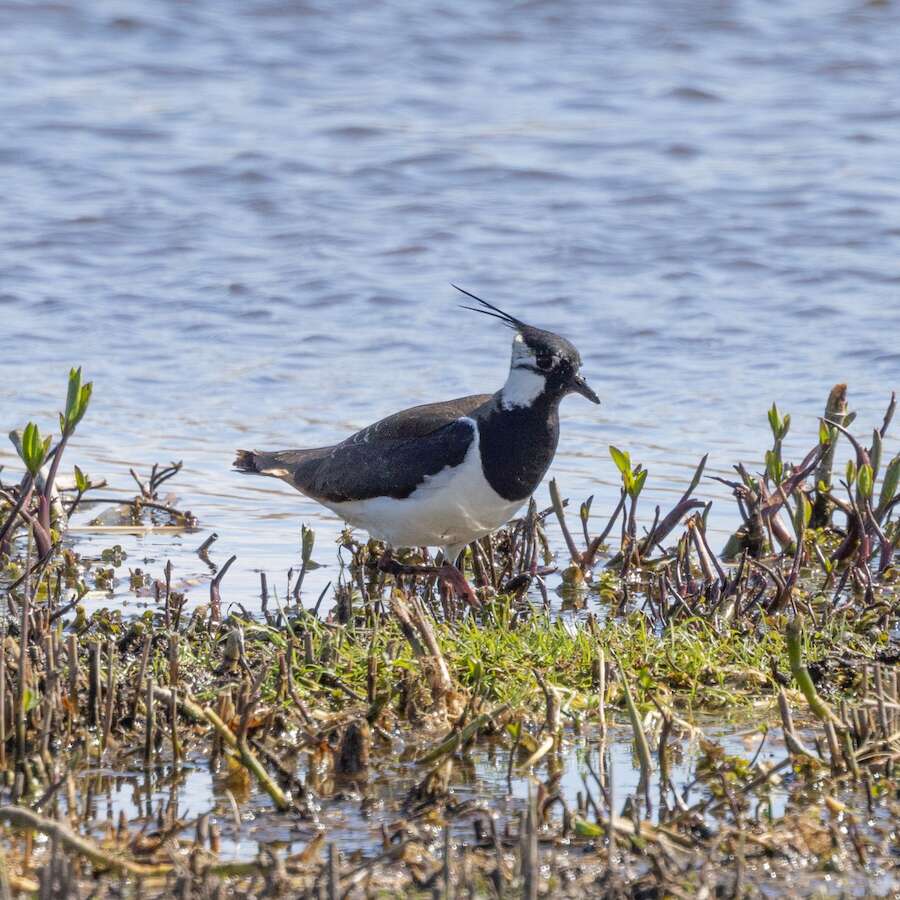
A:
(522, 388)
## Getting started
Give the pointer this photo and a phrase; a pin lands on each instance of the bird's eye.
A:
(544, 362)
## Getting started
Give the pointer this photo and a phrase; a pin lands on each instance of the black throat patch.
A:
(517, 445)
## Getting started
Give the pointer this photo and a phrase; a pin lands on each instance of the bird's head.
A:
(543, 363)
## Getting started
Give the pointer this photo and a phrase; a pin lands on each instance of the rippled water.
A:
(242, 220)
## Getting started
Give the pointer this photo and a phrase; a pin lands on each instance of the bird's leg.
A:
(387, 563)
(456, 581)
(386, 560)
(391, 566)
(446, 572)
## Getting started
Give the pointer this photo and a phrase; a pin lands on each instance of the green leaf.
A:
(78, 396)
(639, 480)
(785, 426)
(307, 542)
(824, 433)
(84, 398)
(889, 483)
(774, 421)
(73, 394)
(586, 829)
(585, 510)
(82, 482)
(875, 452)
(865, 480)
(698, 474)
(621, 459)
(807, 508)
(774, 466)
(802, 514)
(28, 443)
(514, 729)
(851, 471)
(30, 699)
(34, 450)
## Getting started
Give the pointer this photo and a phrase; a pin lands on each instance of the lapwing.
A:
(445, 474)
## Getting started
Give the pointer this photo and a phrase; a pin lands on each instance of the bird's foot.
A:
(391, 566)
(456, 581)
(386, 561)
(447, 573)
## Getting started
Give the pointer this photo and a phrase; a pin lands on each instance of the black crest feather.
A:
(491, 310)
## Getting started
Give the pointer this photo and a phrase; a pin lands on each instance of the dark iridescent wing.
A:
(387, 466)
(386, 459)
(393, 456)
(418, 421)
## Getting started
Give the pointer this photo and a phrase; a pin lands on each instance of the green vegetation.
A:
(392, 698)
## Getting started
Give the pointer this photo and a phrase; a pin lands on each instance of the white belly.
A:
(451, 508)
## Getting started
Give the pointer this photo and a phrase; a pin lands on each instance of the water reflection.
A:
(357, 814)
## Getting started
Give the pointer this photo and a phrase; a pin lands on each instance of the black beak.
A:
(580, 386)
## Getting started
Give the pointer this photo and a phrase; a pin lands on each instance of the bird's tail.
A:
(284, 464)
(246, 461)
(259, 463)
